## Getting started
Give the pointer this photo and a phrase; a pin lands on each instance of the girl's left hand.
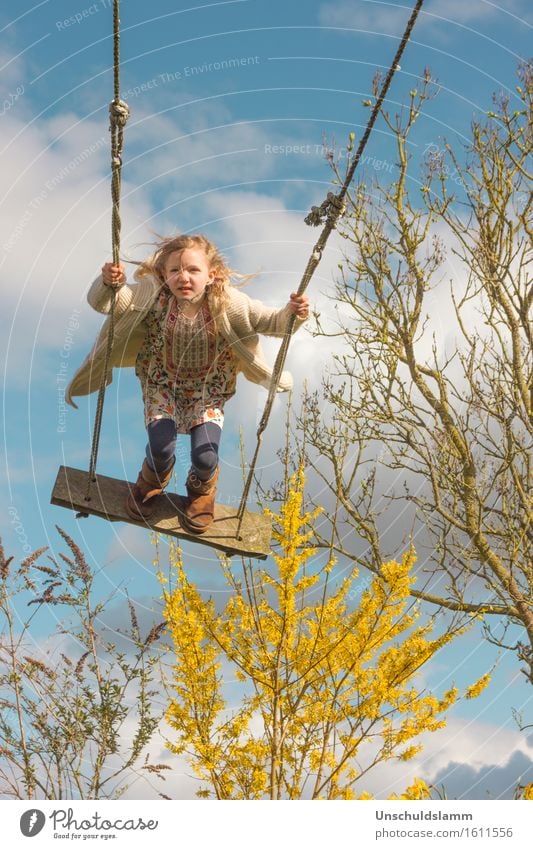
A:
(299, 305)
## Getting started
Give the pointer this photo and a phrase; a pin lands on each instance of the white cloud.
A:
(132, 543)
(460, 752)
(498, 780)
(55, 233)
(390, 18)
(474, 11)
(472, 759)
(344, 13)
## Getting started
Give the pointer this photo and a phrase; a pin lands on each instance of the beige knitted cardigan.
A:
(240, 322)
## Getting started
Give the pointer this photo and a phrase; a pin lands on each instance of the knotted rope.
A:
(118, 115)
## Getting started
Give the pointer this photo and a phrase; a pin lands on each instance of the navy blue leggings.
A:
(205, 439)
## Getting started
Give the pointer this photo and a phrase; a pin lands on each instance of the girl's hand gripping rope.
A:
(113, 275)
(299, 305)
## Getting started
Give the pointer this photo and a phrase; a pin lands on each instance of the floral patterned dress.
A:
(187, 370)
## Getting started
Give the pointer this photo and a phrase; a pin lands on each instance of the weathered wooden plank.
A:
(108, 497)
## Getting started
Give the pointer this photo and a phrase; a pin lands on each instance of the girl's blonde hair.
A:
(154, 266)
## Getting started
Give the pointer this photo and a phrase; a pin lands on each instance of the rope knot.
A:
(119, 112)
(331, 209)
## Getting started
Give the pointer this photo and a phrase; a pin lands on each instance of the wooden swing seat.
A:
(108, 497)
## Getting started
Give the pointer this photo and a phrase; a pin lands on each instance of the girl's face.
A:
(187, 273)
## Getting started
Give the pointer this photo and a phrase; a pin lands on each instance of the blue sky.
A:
(230, 105)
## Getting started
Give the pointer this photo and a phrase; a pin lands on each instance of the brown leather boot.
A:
(200, 509)
(140, 501)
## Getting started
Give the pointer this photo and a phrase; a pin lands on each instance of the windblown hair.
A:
(217, 290)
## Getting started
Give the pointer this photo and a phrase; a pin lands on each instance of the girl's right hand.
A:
(113, 275)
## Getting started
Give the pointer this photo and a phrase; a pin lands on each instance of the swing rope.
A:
(329, 211)
(118, 116)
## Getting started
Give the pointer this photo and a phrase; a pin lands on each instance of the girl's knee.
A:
(205, 439)
(205, 458)
(161, 443)
(162, 435)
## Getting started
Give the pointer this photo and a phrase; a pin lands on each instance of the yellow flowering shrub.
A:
(328, 687)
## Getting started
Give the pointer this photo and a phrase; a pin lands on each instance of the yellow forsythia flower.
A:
(475, 689)
(416, 791)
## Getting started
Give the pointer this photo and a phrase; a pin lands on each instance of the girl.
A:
(188, 332)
